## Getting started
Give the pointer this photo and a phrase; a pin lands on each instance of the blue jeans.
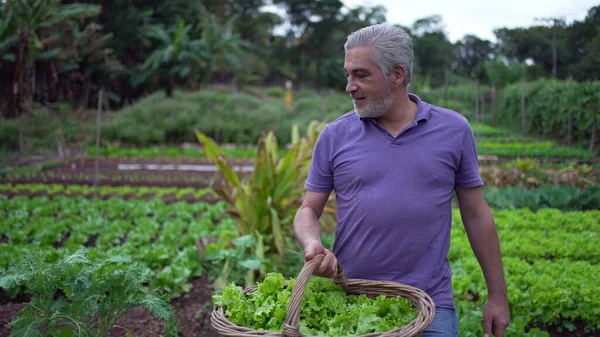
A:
(445, 324)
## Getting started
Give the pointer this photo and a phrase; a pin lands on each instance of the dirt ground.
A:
(82, 172)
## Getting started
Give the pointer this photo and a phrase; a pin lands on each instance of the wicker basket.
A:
(423, 303)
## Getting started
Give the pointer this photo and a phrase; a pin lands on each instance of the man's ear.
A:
(398, 75)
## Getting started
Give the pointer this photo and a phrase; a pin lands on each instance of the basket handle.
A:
(291, 326)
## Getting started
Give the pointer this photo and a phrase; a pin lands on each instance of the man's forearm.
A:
(306, 226)
(483, 236)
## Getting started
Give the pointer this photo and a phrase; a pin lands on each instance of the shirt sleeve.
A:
(468, 174)
(320, 175)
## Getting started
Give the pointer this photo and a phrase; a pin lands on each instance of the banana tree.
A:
(88, 55)
(177, 56)
(8, 37)
(265, 203)
(26, 20)
(224, 48)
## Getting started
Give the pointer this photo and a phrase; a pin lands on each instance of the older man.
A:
(394, 163)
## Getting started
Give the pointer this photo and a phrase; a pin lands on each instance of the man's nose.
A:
(351, 87)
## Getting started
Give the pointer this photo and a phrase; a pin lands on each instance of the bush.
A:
(154, 122)
(228, 118)
(277, 92)
(9, 134)
(41, 129)
(235, 118)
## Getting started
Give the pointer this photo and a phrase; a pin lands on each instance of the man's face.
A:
(370, 90)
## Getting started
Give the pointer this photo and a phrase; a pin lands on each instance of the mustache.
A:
(357, 95)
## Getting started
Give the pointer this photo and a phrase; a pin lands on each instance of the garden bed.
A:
(123, 172)
(192, 311)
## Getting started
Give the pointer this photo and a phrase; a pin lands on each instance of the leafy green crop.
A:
(76, 296)
(326, 308)
(551, 265)
(106, 191)
(530, 149)
(565, 198)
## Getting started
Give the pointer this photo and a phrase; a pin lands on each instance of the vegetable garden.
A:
(139, 244)
(153, 155)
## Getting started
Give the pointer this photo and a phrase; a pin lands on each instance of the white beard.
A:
(376, 108)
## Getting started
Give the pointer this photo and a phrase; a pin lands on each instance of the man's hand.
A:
(496, 317)
(328, 267)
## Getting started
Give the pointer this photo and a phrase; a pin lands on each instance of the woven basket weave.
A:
(422, 302)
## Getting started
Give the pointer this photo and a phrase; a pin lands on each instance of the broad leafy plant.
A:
(76, 296)
(264, 202)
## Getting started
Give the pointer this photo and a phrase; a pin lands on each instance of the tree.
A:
(501, 72)
(322, 32)
(546, 46)
(470, 54)
(432, 49)
(583, 39)
(588, 68)
(223, 47)
(28, 21)
(177, 55)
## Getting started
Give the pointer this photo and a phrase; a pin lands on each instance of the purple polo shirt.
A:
(394, 195)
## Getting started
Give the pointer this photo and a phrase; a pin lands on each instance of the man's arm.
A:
(308, 231)
(306, 223)
(481, 232)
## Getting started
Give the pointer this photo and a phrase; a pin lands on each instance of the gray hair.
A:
(393, 47)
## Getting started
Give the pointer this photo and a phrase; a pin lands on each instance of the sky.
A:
(478, 17)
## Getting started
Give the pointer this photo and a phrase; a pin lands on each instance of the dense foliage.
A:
(552, 106)
(67, 51)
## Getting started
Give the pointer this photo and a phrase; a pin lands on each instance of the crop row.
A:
(549, 233)
(531, 149)
(166, 152)
(160, 236)
(115, 179)
(550, 262)
(565, 198)
(136, 192)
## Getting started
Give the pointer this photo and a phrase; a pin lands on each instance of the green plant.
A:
(328, 310)
(76, 296)
(549, 106)
(265, 203)
(277, 92)
(527, 165)
(565, 198)
(160, 236)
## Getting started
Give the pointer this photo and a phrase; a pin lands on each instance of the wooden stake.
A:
(97, 141)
